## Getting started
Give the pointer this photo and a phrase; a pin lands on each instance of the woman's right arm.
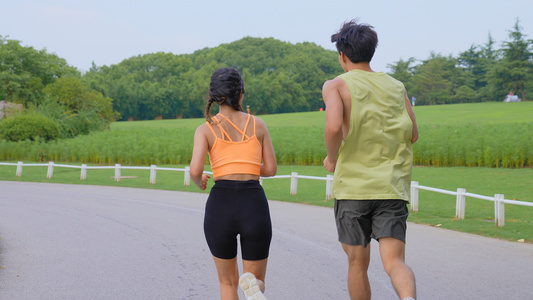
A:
(199, 153)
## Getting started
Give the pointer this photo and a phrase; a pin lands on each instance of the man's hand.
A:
(330, 164)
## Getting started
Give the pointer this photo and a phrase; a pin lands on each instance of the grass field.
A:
(471, 135)
(299, 147)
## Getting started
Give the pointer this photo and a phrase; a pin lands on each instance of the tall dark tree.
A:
(433, 80)
(513, 72)
(402, 70)
(488, 56)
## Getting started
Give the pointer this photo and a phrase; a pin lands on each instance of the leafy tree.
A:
(489, 57)
(24, 71)
(433, 80)
(75, 108)
(402, 70)
(478, 61)
(71, 93)
(514, 71)
(471, 66)
(464, 94)
(303, 73)
(282, 77)
(278, 76)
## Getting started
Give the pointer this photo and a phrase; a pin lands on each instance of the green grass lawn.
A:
(473, 135)
(476, 113)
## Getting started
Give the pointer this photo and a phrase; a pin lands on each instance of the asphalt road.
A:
(92, 242)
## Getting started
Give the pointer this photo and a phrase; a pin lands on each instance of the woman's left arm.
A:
(269, 167)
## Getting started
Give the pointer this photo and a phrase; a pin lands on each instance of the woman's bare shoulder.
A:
(260, 123)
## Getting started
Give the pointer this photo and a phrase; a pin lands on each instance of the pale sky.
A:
(109, 31)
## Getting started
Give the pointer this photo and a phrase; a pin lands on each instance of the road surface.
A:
(61, 241)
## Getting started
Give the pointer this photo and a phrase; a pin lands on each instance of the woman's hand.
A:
(205, 178)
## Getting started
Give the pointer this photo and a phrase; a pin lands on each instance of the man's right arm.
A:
(334, 118)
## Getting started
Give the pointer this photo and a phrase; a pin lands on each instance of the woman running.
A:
(240, 151)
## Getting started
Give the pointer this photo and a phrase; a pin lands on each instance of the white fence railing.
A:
(461, 194)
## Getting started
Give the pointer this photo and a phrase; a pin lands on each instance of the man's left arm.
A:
(411, 113)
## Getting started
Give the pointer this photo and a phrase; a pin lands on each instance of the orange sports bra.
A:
(229, 157)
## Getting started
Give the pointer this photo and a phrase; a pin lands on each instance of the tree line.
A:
(479, 74)
(279, 77)
(57, 102)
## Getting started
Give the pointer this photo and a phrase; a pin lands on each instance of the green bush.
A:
(28, 127)
(71, 124)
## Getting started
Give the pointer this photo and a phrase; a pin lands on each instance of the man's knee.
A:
(358, 256)
(393, 265)
(392, 253)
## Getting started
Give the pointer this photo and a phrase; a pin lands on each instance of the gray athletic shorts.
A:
(360, 220)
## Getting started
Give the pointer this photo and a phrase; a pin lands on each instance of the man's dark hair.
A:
(357, 41)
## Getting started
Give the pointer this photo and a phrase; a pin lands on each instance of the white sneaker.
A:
(249, 287)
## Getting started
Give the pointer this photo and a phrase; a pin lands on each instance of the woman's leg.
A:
(258, 268)
(228, 277)
(221, 238)
(255, 236)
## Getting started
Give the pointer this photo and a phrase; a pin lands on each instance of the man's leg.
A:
(358, 260)
(392, 253)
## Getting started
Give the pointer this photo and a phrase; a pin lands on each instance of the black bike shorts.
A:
(238, 208)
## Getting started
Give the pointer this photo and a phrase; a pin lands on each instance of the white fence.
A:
(461, 194)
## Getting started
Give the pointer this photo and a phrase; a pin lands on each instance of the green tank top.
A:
(375, 160)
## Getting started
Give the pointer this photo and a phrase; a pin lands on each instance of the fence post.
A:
(50, 171)
(83, 175)
(460, 204)
(117, 172)
(329, 187)
(294, 183)
(187, 176)
(152, 174)
(499, 210)
(19, 169)
(414, 195)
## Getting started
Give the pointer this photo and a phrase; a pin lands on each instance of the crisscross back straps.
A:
(236, 128)
(222, 131)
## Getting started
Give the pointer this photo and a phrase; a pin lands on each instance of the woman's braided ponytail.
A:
(225, 88)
